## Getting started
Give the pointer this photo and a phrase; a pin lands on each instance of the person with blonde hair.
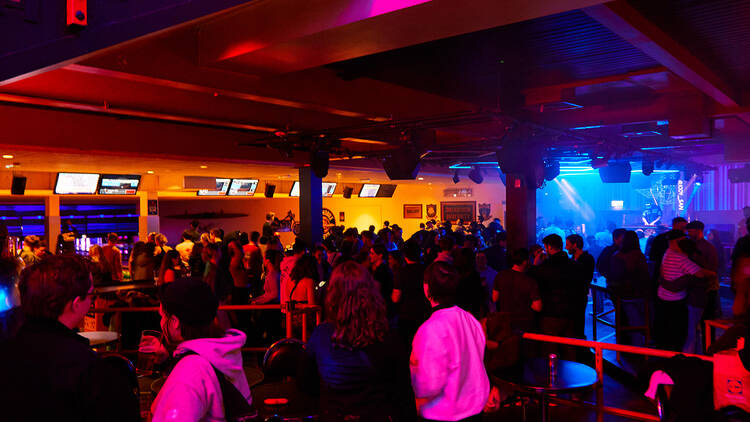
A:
(359, 365)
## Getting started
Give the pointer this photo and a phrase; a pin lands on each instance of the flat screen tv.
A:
(222, 186)
(369, 190)
(119, 184)
(76, 183)
(328, 189)
(386, 191)
(243, 187)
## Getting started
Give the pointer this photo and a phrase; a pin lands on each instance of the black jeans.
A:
(670, 324)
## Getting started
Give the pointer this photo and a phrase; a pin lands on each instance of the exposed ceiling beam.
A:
(625, 21)
(548, 93)
(287, 35)
(219, 92)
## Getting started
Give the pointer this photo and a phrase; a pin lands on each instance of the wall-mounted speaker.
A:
(319, 163)
(616, 172)
(403, 165)
(348, 192)
(270, 189)
(18, 187)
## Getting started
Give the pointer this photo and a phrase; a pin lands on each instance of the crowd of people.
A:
(412, 327)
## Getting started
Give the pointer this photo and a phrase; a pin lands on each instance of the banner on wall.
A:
(463, 210)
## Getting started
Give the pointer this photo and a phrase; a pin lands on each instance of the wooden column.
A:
(520, 212)
(147, 223)
(52, 221)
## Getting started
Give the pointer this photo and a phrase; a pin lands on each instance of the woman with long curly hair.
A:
(361, 369)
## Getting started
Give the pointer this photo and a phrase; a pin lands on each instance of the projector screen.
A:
(76, 183)
(243, 187)
(119, 184)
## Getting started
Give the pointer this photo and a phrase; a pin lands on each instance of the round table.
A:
(533, 377)
(100, 338)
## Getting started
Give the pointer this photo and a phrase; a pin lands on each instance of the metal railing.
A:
(302, 309)
(599, 348)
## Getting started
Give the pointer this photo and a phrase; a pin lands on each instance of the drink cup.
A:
(145, 364)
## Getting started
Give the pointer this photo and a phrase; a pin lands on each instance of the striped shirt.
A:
(673, 266)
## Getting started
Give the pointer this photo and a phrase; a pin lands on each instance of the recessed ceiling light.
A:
(8, 156)
(150, 172)
(204, 167)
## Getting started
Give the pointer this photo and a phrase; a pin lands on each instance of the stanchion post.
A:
(600, 384)
(288, 324)
(304, 325)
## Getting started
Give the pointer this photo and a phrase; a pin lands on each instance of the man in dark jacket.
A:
(585, 263)
(412, 306)
(559, 286)
(496, 255)
(605, 258)
(49, 371)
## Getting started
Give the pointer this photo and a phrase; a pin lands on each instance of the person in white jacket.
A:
(192, 391)
(447, 359)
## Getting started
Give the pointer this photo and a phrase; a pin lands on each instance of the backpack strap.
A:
(236, 407)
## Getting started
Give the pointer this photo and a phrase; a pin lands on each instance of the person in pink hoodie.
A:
(447, 359)
(192, 391)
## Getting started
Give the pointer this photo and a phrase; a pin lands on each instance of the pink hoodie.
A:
(192, 391)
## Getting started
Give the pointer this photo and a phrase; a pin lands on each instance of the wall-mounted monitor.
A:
(369, 190)
(243, 187)
(222, 186)
(119, 184)
(328, 189)
(76, 183)
(386, 191)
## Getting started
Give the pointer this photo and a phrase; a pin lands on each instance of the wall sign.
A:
(153, 207)
(453, 211)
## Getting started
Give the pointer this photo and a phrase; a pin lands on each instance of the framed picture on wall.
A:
(412, 210)
(464, 210)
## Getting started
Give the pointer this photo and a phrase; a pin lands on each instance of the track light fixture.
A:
(456, 179)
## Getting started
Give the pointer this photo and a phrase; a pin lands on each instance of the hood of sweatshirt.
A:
(224, 353)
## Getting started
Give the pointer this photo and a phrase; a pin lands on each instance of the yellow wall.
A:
(358, 212)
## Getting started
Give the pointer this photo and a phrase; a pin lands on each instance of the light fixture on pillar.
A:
(476, 175)
(551, 169)
(456, 179)
(647, 167)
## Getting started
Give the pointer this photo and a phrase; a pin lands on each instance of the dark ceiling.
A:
(488, 67)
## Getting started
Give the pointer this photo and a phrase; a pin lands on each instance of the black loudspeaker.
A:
(319, 163)
(348, 192)
(270, 189)
(616, 172)
(402, 166)
(19, 185)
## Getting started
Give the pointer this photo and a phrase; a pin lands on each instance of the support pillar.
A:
(310, 206)
(52, 221)
(520, 212)
(147, 222)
